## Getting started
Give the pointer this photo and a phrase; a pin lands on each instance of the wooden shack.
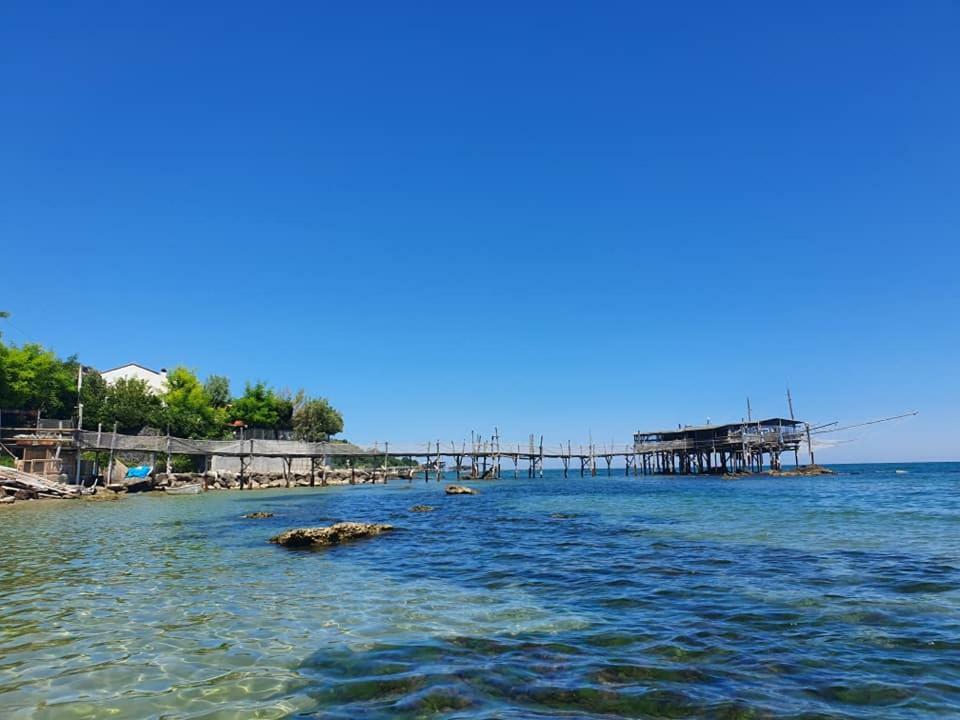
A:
(730, 448)
(48, 449)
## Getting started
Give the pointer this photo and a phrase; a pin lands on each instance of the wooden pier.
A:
(716, 449)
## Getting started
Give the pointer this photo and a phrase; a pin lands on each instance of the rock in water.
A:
(259, 515)
(422, 508)
(332, 535)
(460, 490)
(802, 471)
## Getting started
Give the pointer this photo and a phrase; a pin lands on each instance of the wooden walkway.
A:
(715, 449)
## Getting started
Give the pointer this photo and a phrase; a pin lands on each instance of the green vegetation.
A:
(217, 388)
(259, 406)
(34, 378)
(188, 409)
(131, 405)
(316, 420)
(369, 462)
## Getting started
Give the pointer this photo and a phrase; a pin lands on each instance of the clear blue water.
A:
(833, 597)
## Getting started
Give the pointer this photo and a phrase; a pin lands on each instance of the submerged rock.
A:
(332, 535)
(102, 494)
(460, 490)
(259, 515)
(803, 471)
(422, 508)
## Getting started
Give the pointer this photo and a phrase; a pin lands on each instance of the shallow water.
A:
(581, 598)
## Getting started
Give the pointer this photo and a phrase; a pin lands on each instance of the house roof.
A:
(768, 422)
(132, 364)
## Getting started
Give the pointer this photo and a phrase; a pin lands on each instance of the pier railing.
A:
(739, 451)
(94, 440)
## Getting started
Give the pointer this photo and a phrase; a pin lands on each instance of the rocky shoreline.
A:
(211, 480)
(224, 480)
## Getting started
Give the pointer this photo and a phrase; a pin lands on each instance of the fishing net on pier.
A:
(90, 440)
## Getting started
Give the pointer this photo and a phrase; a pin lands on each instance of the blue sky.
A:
(565, 218)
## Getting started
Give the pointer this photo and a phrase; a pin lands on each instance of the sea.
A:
(596, 597)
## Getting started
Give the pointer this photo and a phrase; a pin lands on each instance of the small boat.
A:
(191, 489)
(900, 472)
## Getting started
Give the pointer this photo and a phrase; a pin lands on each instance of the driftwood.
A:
(15, 480)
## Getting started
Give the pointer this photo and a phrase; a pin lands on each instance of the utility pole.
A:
(113, 444)
(79, 419)
(743, 445)
(796, 453)
(169, 462)
(541, 456)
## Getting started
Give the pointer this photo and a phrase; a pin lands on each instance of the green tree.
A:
(93, 395)
(131, 404)
(259, 406)
(287, 404)
(316, 420)
(34, 378)
(217, 388)
(188, 409)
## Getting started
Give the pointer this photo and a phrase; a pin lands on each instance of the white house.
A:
(156, 381)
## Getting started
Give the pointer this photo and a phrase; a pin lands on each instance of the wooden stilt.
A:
(439, 467)
(541, 456)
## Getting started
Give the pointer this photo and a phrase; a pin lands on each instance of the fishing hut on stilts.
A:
(719, 449)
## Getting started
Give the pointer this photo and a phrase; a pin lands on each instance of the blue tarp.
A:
(139, 471)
